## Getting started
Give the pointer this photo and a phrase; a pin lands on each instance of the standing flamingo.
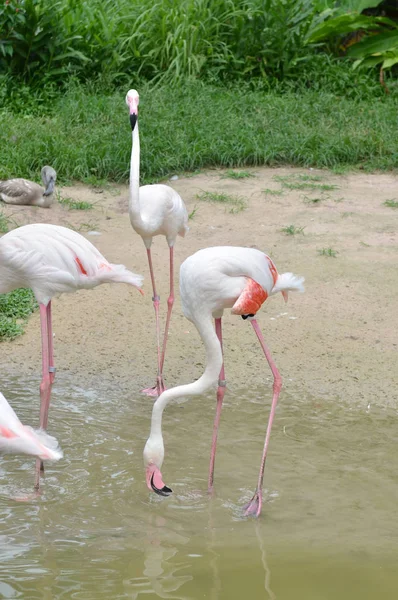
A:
(50, 260)
(154, 210)
(210, 281)
(17, 439)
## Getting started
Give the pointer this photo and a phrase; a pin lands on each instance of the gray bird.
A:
(23, 191)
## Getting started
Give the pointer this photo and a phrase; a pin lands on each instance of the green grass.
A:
(328, 252)
(4, 222)
(309, 186)
(15, 308)
(292, 230)
(92, 144)
(193, 213)
(273, 192)
(310, 177)
(238, 174)
(236, 203)
(74, 204)
(391, 203)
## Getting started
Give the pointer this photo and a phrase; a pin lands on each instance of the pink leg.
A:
(46, 382)
(156, 390)
(51, 366)
(220, 398)
(255, 504)
(170, 303)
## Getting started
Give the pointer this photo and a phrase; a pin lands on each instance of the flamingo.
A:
(15, 438)
(154, 210)
(22, 191)
(50, 260)
(212, 280)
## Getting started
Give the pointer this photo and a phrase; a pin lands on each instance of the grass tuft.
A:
(237, 174)
(15, 308)
(328, 252)
(237, 202)
(4, 222)
(71, 204)
(391, 203)
(193, 213)
(292, 230)
(270, 192)
(323, 187)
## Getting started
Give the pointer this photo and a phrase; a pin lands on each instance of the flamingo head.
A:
(153, 460)
(132, 101)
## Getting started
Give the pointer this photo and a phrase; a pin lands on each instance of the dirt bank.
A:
(338, 340)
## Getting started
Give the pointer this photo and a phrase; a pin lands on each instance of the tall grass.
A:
(86, 135)
(162, 40)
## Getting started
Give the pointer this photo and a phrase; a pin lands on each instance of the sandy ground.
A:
(337, 341)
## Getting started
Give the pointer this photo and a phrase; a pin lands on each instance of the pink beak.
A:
(133, 108)
(155, 482)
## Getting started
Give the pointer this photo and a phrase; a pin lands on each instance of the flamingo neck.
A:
(134, 197)
(210, 376)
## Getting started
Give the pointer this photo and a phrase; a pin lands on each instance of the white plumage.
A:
(15, 438)
(51, 259)
(154, 210)
(211, 280)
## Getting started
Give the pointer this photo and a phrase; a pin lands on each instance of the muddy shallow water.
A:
(328, 528)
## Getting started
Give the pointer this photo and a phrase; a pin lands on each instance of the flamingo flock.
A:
(51, 260)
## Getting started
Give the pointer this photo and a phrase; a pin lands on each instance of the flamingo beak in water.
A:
(155, 483)
(50, 187)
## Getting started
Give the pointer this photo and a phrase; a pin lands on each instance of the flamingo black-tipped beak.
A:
(50, 187)
(165, 491)
(133, 120)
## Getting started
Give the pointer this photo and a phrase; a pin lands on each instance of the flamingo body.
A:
(162, 212)
(15, 438)
(154, 210)
(51, 260)
(21, 191)
(212, 280)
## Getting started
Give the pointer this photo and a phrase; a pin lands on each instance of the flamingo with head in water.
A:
(50, 260)
(154, 210)
(212, 280)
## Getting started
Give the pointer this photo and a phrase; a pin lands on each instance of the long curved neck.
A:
(134, 198)
(214, 361)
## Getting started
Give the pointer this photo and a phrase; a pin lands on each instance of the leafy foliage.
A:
(126, 41)
(15, 308)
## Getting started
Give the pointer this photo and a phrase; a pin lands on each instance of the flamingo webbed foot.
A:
(253, 508)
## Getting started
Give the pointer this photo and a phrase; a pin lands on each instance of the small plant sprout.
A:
(237, 203)
(328, 252)
(193, 212)
(292, 230)
(71, 204)
(391, 203)
(237, 174)
(270, 192)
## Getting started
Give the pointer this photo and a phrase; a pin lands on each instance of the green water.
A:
(329, 528)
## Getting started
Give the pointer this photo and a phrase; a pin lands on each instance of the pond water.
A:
(329, 528)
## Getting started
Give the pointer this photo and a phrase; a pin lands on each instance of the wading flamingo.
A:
(23, 191)
(17, 439)
(50, 260)
(210, 281)
(154, 210)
